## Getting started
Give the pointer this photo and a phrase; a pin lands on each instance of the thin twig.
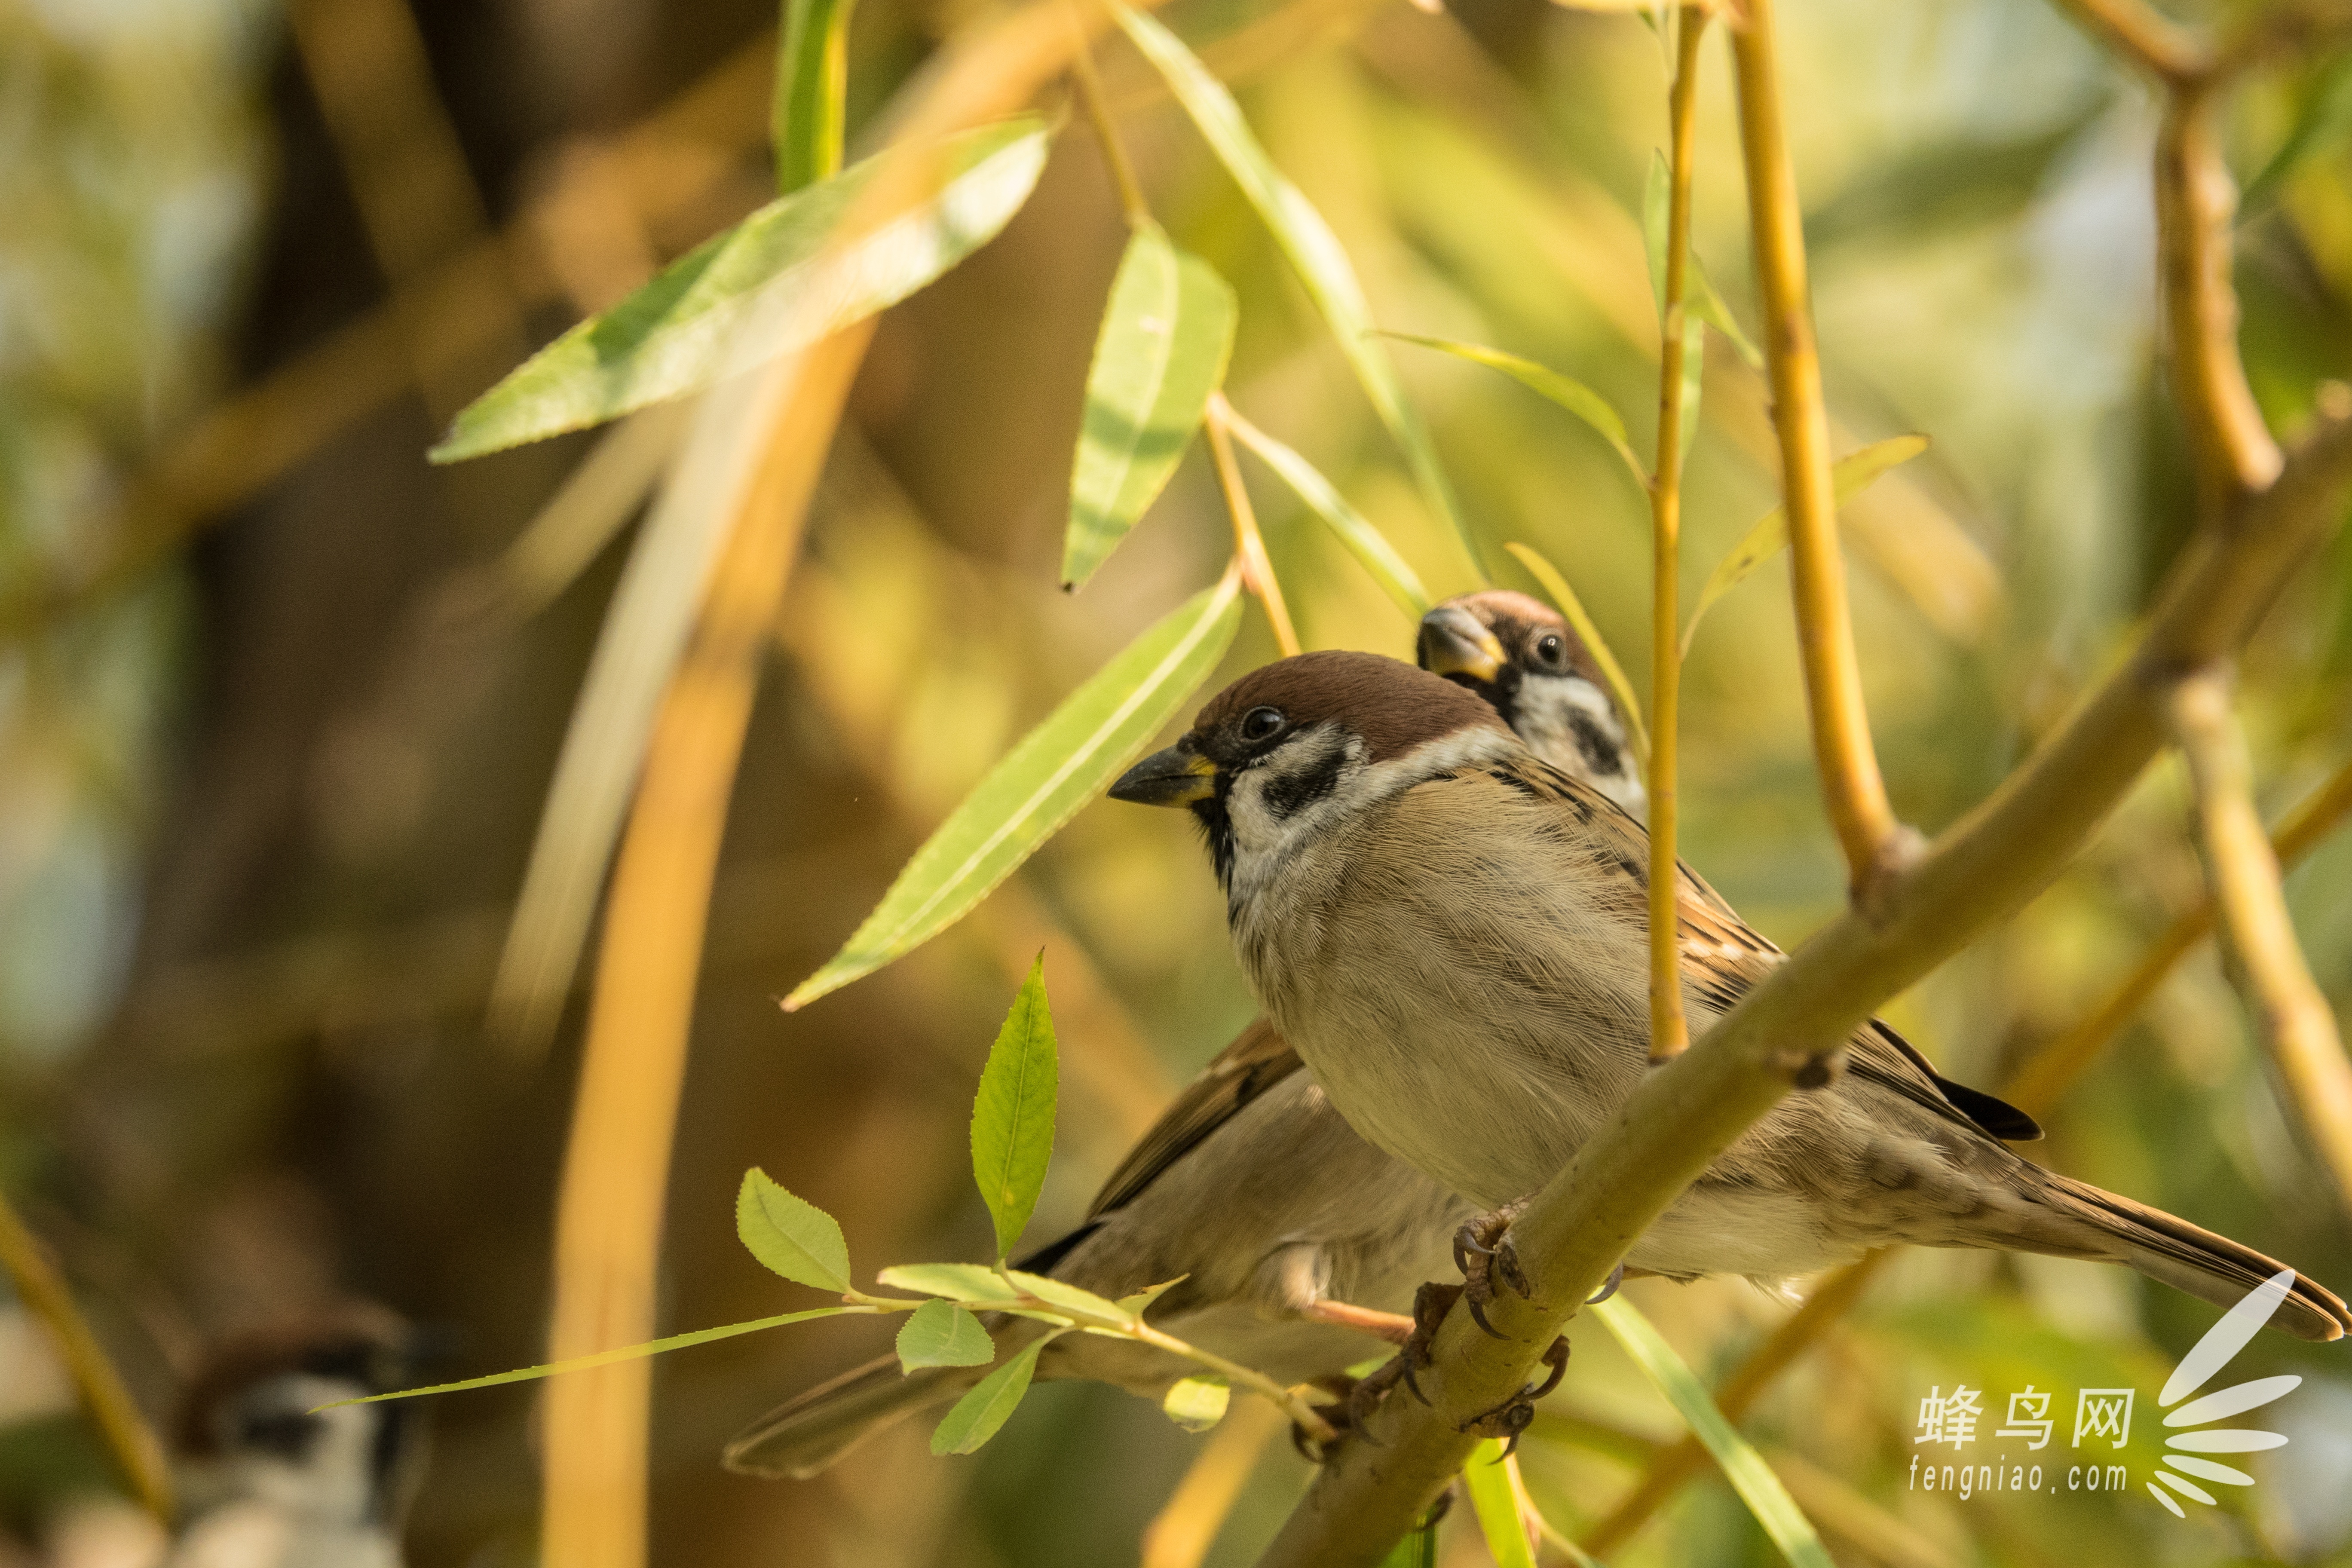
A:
(1874, 842)
(1131, 200)
(128, 1436)
(2296, 1025)
(1687, 1112)
(1257, 570)
(1669, 1029)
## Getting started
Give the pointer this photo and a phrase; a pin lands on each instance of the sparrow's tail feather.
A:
(804, 1436)
(2185, 1256)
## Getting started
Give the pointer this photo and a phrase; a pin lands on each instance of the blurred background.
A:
(279, 702)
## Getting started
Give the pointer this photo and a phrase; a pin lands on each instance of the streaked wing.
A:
(1256, 1060)
(1723, 958)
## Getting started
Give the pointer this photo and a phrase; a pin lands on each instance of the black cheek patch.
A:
(1601, 752)
(1287, 794)
(289, 1434)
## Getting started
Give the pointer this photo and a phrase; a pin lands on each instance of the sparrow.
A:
(269, 1480)
(1453, 933)
(1294, 1238)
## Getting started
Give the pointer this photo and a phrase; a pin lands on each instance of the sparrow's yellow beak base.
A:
(1172, 777)
(1453, 642)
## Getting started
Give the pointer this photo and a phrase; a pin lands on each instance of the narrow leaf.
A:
(793, 1237)
(1314, 251)
(978, 1415)
(1708, 307)
(1197, 1403)
(957, 1281)
(1012, 1115)
(607, 1358)
(1694, 381)
(775, 282)
(1657, 226)
(1057, 768)
(1742, 1465)
(2325, 125)
(1135, 1306)
(1574, 396)
(941, 1333)
(1071, 1297)
(1489, 1486)
(1368, 544)
(811, 80)
(1848, 477)
(1556, 588)
(1166, 335)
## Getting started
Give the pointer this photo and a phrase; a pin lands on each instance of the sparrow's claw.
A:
(1556, 1358)
(1515, 1415)
(1608, 1286)
(1340, 1414)
(1483, 1251)
(1430, 1305)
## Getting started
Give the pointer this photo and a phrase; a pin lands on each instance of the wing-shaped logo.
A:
(2199, 1367)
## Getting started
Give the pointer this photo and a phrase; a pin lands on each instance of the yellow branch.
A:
(1874, 842)
(2296, 1025)
(1669, 1029)
(128, 1436)
(1257, 571)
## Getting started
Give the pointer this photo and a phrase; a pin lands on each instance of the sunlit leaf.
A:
(1313, 249)
(1013, 1114)
(941, 1333)
(1488, 1483)
(811, 80)
(1057, 768)
(793, 1236)
(1708, 307)
(1562, 596)
(607, 1358)
(959, 1281)
(1197, 1403)
(1366, 543)
(1141, 1302)
(980, 1413)
(1070, 1298)
(1165, 338)
(1742, 1465)
(1574, 396)
(774, 283)
(1848, 477)
(2324, 126)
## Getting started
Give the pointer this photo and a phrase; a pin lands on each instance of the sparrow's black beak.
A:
(1172, 777)
(1454, 643)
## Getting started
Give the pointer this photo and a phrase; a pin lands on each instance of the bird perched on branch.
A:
(1454, 934)
(1296, 1237)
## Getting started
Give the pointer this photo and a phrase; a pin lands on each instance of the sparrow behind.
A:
(1454, 935)
(1296, 1237)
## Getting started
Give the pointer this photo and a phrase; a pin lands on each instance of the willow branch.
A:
(127, 1436)
(2297, 1026)
(1874, 842)
(2034, 1089)
(1131, 200)
(1257, 570)
(2154, 42)
(1669, 1030)
(1787, 1031)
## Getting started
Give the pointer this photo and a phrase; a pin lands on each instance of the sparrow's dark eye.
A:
(1550, 650)
(1262, 724)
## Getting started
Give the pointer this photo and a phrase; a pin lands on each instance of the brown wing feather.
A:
(1723, 957)
(1256, 1060)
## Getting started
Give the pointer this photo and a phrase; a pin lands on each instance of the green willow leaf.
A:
(812, 81)
(941, 1333)
(1197, 1403)
(1574, 396)
(1314, 251)
(1489, 1481)
(957, 1281)
(607, 1358)
(1166, 335)
(1071, 1297)
(2325, 125)
(979, 1414)
(774, 283)
(790, 1236)
(1849, 476)
(1012, 1115)
(1556, 588)
(1370, 548)
(1742, 1465)
(1056, 768)
(1708, 307)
